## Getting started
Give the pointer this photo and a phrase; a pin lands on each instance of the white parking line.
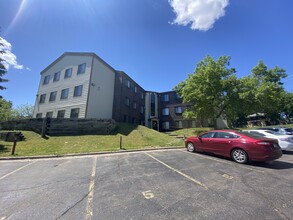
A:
(89, 205)
(8, 174)
(179, 172)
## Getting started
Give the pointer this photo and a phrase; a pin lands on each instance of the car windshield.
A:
(288, 129)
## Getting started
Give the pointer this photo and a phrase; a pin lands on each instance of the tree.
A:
(6, 112)
(3, 69)
(24, 111)
(268, 90)
(211, 91)
(287, 106)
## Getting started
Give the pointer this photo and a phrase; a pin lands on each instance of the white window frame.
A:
(78, 91)
(64, 94)
(81, 68)
(46, 80)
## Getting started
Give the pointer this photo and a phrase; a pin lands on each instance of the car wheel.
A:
(239, 156)
(190, 147)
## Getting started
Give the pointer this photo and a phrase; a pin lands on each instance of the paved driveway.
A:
(167, 184)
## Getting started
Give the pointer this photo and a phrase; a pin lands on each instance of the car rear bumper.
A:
(268, 156)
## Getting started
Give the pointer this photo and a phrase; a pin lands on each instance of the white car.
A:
(285, 141)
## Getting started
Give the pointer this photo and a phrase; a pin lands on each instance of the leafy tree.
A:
(211, 91)
(6, 112)
(3, 69)
(268, 90)
(24, 111)
(287, 106)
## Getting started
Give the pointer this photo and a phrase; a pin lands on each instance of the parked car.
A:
(285, 141)
(242, 147)
(288, 131)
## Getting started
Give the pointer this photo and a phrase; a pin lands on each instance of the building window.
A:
(135, 89)
(53, 96)
(42, 98)
(74, 113)
(127, 101)
(127, 83)
(49, 114)
(61, 114)
(165, 111)
(178, 124)
(81, 68)
(68, 73)
(153, 104)
(165, 98)
(39, 115)
(178, 110)
(77, 91)
(64, 93)
(177, 96)
(141, 109)
(166, 125)
(56, 76)
(46, 80)
(134, 105)
(142, 95)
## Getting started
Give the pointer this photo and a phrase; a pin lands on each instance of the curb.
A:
(89, 154)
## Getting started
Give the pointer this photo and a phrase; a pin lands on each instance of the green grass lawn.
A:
(133, 137)
(189, 131)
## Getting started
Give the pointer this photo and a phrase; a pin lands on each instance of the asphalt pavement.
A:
(165, 184)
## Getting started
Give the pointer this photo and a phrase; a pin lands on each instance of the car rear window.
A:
(252, 134)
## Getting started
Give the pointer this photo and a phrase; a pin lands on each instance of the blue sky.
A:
(156, 42)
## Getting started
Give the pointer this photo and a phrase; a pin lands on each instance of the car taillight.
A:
(263, 143)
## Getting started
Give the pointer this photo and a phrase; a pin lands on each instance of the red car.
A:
(242, 147)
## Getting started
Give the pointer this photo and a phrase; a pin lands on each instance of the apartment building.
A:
(82, 85)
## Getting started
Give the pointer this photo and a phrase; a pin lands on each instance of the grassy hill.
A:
(133, 137)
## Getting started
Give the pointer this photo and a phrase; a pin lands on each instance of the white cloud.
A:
(8, 57)
(201, 14)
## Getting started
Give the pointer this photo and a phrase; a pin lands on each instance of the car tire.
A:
(190, 147)
(239, 156)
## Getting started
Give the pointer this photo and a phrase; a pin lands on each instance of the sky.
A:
(156, 42)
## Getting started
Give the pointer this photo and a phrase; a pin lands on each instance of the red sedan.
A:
(242, 147)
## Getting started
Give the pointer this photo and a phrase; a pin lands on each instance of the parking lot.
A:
(164, 184)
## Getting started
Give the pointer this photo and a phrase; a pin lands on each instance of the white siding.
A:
(101, 91)
(67, 61)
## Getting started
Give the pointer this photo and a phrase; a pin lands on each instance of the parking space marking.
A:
(89, 205)
(148, 194)
(227, 176)
(179, 172)
(8, 174)
(223, 161)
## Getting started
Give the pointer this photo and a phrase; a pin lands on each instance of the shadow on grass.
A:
(124, 129)
(3, 149)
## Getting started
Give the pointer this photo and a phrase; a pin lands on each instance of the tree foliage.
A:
(6, 112)
(287, 106)
(3, 69)
(24, 111)
(211, 90)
